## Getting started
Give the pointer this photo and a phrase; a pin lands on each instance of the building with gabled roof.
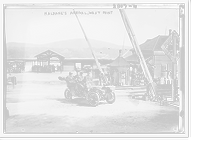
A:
(119, 70)
(161, 63)
(119, 62)
(154, 44)
(154, 56)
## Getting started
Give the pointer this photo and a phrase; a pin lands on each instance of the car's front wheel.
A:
(110, 97)
(93, 98)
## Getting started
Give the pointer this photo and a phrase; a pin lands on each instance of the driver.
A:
(70, 77)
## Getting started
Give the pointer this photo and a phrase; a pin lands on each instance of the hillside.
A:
(74, 48)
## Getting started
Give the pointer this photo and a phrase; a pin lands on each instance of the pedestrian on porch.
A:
(169, 77)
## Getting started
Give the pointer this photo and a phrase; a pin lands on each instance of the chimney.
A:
(120, 53)
(170, 31)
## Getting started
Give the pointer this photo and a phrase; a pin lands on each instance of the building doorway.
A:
(163, 73)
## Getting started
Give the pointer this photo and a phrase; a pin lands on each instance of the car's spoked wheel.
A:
(93, 99)
(110, 97)
(68, 94)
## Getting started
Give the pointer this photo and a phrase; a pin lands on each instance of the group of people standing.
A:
(138, 78)
(167, 79)
(15, 67)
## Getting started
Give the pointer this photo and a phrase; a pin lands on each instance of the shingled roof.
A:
(119, 62)
(154, 44)
(148, 48)
(49, 54)
(133, 58)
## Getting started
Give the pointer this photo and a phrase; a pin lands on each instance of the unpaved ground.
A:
(37, 104)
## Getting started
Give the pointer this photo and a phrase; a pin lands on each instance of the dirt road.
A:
(37, 104)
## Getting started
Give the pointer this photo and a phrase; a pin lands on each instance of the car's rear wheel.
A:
(93, 99)
(68, 94)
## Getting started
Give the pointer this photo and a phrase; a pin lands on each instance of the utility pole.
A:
(174, 67)
(5, 109)
(92, 51)
(136, 46)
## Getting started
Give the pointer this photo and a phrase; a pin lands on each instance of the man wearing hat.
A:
(70, 78)
(88, 80)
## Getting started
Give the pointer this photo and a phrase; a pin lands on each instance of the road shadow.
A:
(76, 101)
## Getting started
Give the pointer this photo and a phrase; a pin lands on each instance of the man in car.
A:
(80, 77)
(70, 77)
(88, 80)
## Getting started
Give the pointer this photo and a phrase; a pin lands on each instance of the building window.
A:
(78, 66)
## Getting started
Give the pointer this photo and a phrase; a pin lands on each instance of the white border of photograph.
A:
(187, 93)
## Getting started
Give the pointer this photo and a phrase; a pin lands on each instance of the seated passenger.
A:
(88, 80)
(80, 77)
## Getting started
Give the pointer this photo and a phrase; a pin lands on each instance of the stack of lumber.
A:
(140, 90)
(166, 92)
(137, 90)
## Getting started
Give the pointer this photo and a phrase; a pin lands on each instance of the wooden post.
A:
(48, 61)
(37, 64)
(120, 78)
(111, 76)
(182, 68)
(174, 68)
(126, 77)
(61, 66)
(138, 52)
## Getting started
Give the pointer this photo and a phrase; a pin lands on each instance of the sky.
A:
(41, 26)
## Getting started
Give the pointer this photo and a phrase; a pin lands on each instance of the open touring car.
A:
(93, 94)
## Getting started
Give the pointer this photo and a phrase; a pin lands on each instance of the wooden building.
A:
(160, 66)
(45, 64)
(28, 63)
(161, 63)
(119, 71)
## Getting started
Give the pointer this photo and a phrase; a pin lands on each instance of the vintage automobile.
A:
(93, 94)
